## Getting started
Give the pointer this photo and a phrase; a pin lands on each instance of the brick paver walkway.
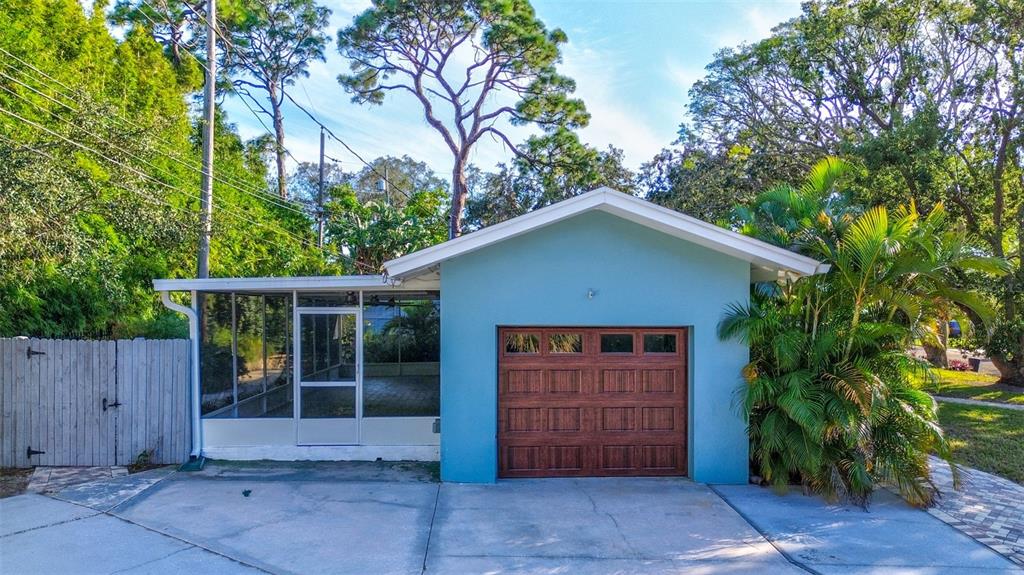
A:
(988, 508)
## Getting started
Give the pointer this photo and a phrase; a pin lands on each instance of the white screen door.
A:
(328, 372)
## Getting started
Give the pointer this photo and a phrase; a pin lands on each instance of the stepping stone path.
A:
(987, 508)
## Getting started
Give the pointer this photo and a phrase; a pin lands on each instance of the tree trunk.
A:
(936, 355)
(460, 192)
(282, 189)
(1010, 372)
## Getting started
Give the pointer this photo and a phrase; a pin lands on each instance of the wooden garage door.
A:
(591, 401)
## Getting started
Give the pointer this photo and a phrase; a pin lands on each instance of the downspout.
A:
(193, 334)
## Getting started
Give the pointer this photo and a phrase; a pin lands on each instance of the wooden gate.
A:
(80, 402)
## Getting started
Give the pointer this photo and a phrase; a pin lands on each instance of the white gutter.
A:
(193, 334)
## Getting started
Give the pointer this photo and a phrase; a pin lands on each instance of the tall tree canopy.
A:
(272, 45)
(369, 232)
(99, 180)
(560, 169)
(927, 95)
(391, 180)
(473, 66)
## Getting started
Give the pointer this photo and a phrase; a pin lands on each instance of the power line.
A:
(161, 200)
(241, 94)
(203, 65)
(144, 174)
(134, 156)
(115, 184)
(216, 31)
(347, 147)
(260, 195)
(230, 182)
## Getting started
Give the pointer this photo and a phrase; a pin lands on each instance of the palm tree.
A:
(829, 394)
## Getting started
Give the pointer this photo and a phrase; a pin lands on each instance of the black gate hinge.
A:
(30, 352)
(116, 403)
(29, 452)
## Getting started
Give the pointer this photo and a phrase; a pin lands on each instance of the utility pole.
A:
(320, 195)
(209, 110)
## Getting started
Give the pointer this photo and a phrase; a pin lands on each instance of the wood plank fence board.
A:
(108, 389)
(7, 385)
(41, 373)
(53, 401)
(21, 412)
(166, 373)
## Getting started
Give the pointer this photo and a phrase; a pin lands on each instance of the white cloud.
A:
(617, 118)
(758, 21)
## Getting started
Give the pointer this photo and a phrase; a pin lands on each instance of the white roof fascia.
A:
(287, 284)
(628, 207)
(411, 264)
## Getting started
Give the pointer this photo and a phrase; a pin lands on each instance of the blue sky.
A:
(633, 63)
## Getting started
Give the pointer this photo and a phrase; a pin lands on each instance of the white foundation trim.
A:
(326, 453)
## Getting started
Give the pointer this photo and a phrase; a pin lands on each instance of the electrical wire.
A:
(223, 208)
(49, 156)
(114, 115)
(216, 31)
(147, 176)
(263, 195)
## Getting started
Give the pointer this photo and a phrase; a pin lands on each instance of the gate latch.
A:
(29, 452)
(30, 352)
(116, 403)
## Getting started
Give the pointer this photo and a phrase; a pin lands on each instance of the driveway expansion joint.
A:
(154, 560)
(430, 529)
(767, 537)
(54, 524)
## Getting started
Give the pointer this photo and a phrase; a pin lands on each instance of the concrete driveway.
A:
(329, 519)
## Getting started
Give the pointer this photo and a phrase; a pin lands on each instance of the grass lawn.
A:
(987, 438)
(971, 385)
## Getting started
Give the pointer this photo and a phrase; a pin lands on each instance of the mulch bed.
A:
(13, 481)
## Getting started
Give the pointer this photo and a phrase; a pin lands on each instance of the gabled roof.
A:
(767, 261)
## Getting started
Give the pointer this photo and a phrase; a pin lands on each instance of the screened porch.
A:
(316, 366)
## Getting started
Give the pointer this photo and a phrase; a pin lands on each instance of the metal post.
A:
(320, 195)
(209, 110)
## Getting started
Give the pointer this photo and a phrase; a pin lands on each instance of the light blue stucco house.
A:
(576, 340)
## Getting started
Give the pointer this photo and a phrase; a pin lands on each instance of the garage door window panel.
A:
(522, 343)
(660, 343)
(565, 343)
(619, 343)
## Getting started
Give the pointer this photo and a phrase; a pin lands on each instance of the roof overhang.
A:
(767, 260)
(288, 284)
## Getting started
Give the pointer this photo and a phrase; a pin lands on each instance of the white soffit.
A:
(762, 256)
(287, 284)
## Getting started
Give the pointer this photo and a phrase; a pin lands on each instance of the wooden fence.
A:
(81, 402)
